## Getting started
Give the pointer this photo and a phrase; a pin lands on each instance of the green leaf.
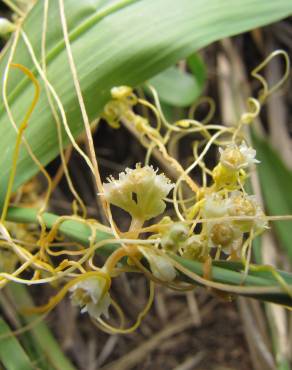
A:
(124, 42)
(176, 87)
(198, 69)
(276, 183)
(12, 355)
(43, 340)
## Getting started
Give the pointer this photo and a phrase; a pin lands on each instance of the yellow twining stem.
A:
(21, 129)
(61, 294)
(266, 90)
(142, 314)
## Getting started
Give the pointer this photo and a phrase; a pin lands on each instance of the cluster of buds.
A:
(222, 226)
(123, 100)
(228, 213)
(227, 200)
(120, 109)
(228, 234)
(178, 239)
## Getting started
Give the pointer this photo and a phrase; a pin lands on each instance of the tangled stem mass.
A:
(212, 219)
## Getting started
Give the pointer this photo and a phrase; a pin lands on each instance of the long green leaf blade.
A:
(43, 339)
(224, 273)
(125, 42)
(276, 182)
(12, 355)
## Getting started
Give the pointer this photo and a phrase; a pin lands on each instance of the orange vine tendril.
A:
(21, 129)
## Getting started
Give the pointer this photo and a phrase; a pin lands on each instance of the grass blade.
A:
(260, 285)
(276, 182)
(41, 335)
(12, 355)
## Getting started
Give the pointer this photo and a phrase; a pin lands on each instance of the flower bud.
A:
(235, 158)
(221, 234)
(173, 239)
(215, 206)
(246, 205)
(121, 92)
(224, 235)
(6, 26)
(160, 266)
(194, 248)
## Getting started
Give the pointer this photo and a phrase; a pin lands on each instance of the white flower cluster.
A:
(228, 234)
(139, 191)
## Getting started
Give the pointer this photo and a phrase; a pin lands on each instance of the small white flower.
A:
(246, 205)
(249, 154)
(89, 294)
(215, 206)
(139, 191)
(160, 266)
(235, 158)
